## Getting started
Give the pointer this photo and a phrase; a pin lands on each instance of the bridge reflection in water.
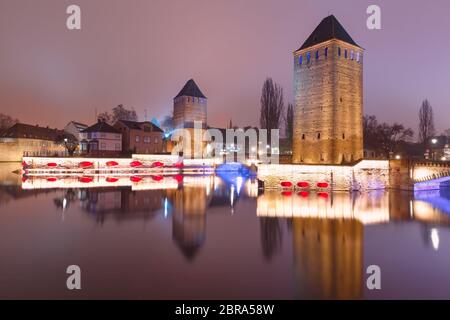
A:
(328, 235)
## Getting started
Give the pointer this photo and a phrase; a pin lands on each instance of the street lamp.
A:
(434, 141)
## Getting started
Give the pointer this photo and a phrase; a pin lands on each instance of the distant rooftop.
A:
(329, 28)
(101, 126)
(79, 124)
(191, 89)
(28, 131)
(137, 125)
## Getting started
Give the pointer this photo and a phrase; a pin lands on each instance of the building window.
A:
(300, 60)
(118, 147)
(156, 140)
(318, 136)
(358, 57)
(102, 146)
(303, 137)
(339, 51)
(326, 52)
(343, 136)
(138, 139)
(345, 53)
(317, 54)
(146, 139)
(352, 55)
(308, 57)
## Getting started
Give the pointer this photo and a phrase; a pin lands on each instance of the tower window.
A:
(339, 51)
(318, 136)
(303, 137)
(308, 57)
(358, 57)
(300, 60)
(326, 52)
(345, 53)
(343, 136)
(317, 54)
(352, 55)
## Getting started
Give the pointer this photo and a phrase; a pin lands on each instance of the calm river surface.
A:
(215, 237)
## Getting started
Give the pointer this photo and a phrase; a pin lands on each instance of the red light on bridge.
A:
(303, 184)
(286, 184)
(178, 177)
(179, 165)
(303, 194)
(287, 193)
(52, 179)
(52, 165)
(112, 164)
(323, 195)
(85, 164)
(86, 179)
(136, 164)
(135, 179)
(157, 164)
(111, 179)
(323, 185)
(157, 178)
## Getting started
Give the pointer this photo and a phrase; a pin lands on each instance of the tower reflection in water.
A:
(328, 235)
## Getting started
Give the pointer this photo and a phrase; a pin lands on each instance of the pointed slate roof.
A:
(191, 89)
(329, 28)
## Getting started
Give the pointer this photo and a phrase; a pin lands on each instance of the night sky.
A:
(140, 53)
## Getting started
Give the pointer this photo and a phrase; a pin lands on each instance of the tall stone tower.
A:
(189, 110)
(328, 94)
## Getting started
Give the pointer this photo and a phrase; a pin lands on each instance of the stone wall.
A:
(328, 95)
(12, 150)
(366, 175)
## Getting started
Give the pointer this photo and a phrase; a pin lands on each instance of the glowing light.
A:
(165, 207)
(239, 181)
(434, 141)
(232, 195)
(398, 157)
(443, 159)
(64, 204)
(435, 238)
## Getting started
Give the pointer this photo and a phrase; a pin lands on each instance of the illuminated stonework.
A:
(328, 93)
(366, 175)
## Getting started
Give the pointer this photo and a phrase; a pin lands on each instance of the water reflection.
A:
(326, 240)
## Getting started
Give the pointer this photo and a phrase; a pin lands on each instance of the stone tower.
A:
(189, 112)
(328, 97)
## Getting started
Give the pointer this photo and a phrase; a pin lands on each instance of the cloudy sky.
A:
(141, 52)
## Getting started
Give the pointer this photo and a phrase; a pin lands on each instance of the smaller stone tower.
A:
(189, 112)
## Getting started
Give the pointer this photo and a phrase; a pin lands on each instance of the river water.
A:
(218, 237)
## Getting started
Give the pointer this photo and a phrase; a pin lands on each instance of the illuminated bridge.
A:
(430, 175)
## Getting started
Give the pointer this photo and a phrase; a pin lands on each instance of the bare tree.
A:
(290, 122)
(384, 138)
(447, 133)
(426, 122)
(118, 113)
(6, 121)
(272, 105)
